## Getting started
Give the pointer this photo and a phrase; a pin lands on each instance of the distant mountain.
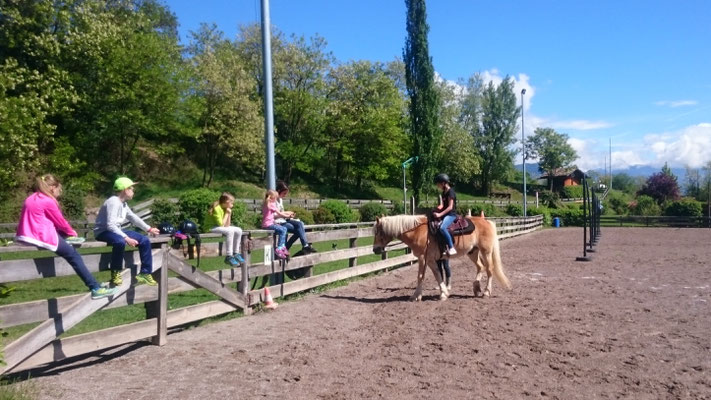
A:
(637, 170)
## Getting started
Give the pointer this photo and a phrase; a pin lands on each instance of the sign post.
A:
(406, 164)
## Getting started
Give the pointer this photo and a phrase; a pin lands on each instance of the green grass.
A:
(18, 390)
(46, 288)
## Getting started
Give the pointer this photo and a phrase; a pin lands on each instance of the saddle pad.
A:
(462, 226)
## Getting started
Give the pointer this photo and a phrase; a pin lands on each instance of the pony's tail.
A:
(498, 267)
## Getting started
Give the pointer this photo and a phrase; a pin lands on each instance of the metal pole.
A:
(585, 221)
(404, 189)
(268, 96)
(523, 156)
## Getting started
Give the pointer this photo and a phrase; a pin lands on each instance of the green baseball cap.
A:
(123, 183)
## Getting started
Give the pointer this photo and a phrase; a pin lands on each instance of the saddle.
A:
(461, 226)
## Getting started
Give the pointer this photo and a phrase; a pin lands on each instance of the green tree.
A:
(552, 151)
(625, 183)
(424, 102)
(461, 161)
(229, 120)
(364, 135)
(496, 132)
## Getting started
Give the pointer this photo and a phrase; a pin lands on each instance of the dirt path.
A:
(634, 323)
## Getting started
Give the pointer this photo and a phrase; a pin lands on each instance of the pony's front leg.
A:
(417, 296)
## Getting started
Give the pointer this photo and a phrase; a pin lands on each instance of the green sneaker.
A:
(102, 292)
(116, 279)
(147, 279)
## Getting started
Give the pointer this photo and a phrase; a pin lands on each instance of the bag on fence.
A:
(187, 230)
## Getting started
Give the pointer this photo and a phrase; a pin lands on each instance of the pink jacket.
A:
(40, 221)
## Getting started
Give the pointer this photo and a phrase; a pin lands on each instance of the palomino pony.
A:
(481, 246)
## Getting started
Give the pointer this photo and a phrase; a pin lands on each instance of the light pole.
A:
(268, 101)
(406, 164)
(523, 156)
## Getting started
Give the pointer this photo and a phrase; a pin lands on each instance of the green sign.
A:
(409, 161)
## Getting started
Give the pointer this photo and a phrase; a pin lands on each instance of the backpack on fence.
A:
(187, 230)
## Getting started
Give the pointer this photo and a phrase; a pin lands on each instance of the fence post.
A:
(244, 284)
(161, 337)
(353, 261)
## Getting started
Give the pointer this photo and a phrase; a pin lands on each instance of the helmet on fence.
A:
(188, 227)
(441, 178)
(166, 228)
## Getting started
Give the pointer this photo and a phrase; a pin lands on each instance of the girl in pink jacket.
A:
(43, 225)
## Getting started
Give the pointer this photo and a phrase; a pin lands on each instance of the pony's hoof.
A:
(487, 293)
(415, 298)
(449, 288)
(443, 297)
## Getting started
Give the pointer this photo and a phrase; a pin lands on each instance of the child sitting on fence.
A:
(270, 212)
(292, 225)
(219, 220)
(112, 215)
(43, 225)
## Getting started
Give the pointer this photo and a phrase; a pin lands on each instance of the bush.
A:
(340, 211)
(514, 210)
(646, 206)
(490, 210)
(324, 216)
(569, 216)
(550, 199)
(253, 221)
(572, 192)
(617, 202)
(72, 202)
(398, 208)
(533, 211)
(193, 204)
(684, 208)
(239, 213)
(371, 211)
(306, 216)
(164, 210)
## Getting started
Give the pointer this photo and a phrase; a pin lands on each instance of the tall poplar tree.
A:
(424, 99)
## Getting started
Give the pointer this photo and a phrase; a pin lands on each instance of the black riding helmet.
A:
(188, 227)
(441, 178)
(166, 228)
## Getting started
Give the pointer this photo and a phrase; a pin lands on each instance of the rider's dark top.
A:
(446, 196)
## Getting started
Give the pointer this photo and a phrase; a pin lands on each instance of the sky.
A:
(637, 72)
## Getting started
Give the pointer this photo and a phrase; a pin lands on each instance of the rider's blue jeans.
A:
(447, 220)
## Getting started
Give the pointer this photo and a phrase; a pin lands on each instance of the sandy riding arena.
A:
(634, 323)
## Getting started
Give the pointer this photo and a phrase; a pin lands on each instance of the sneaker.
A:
(279, 253)
(102, 292)
(147, 279)
(452, 252)
(285, 250)
(309, 249)
(230, 260)
(116, 279)
(239, 258)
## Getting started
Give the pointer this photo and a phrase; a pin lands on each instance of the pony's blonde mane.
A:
(397, 224)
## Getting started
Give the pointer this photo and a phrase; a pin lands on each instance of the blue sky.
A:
(634, 71)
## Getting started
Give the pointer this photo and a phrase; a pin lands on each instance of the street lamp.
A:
(523, 156)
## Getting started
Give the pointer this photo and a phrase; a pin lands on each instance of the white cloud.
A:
(676, 103)
(580, 124)
(690, 146)
(522, 81)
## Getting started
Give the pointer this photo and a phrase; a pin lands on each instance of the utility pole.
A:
(523, 156)
(268, 95)
(610, 164)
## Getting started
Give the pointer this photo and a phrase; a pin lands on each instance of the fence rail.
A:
(655, 221)
(42, 344)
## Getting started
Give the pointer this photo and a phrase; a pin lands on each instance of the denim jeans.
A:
(119, 245)
(69, 253)
(297, 228)
(447, 220)
(279, 230)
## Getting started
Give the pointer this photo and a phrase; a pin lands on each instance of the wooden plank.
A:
(205, 281)
(86, 245)
(323, 279)
(161, 337)
(46, 332)
(37, 268)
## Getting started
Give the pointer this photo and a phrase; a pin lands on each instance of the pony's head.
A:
(380, 239)
(388, 228)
